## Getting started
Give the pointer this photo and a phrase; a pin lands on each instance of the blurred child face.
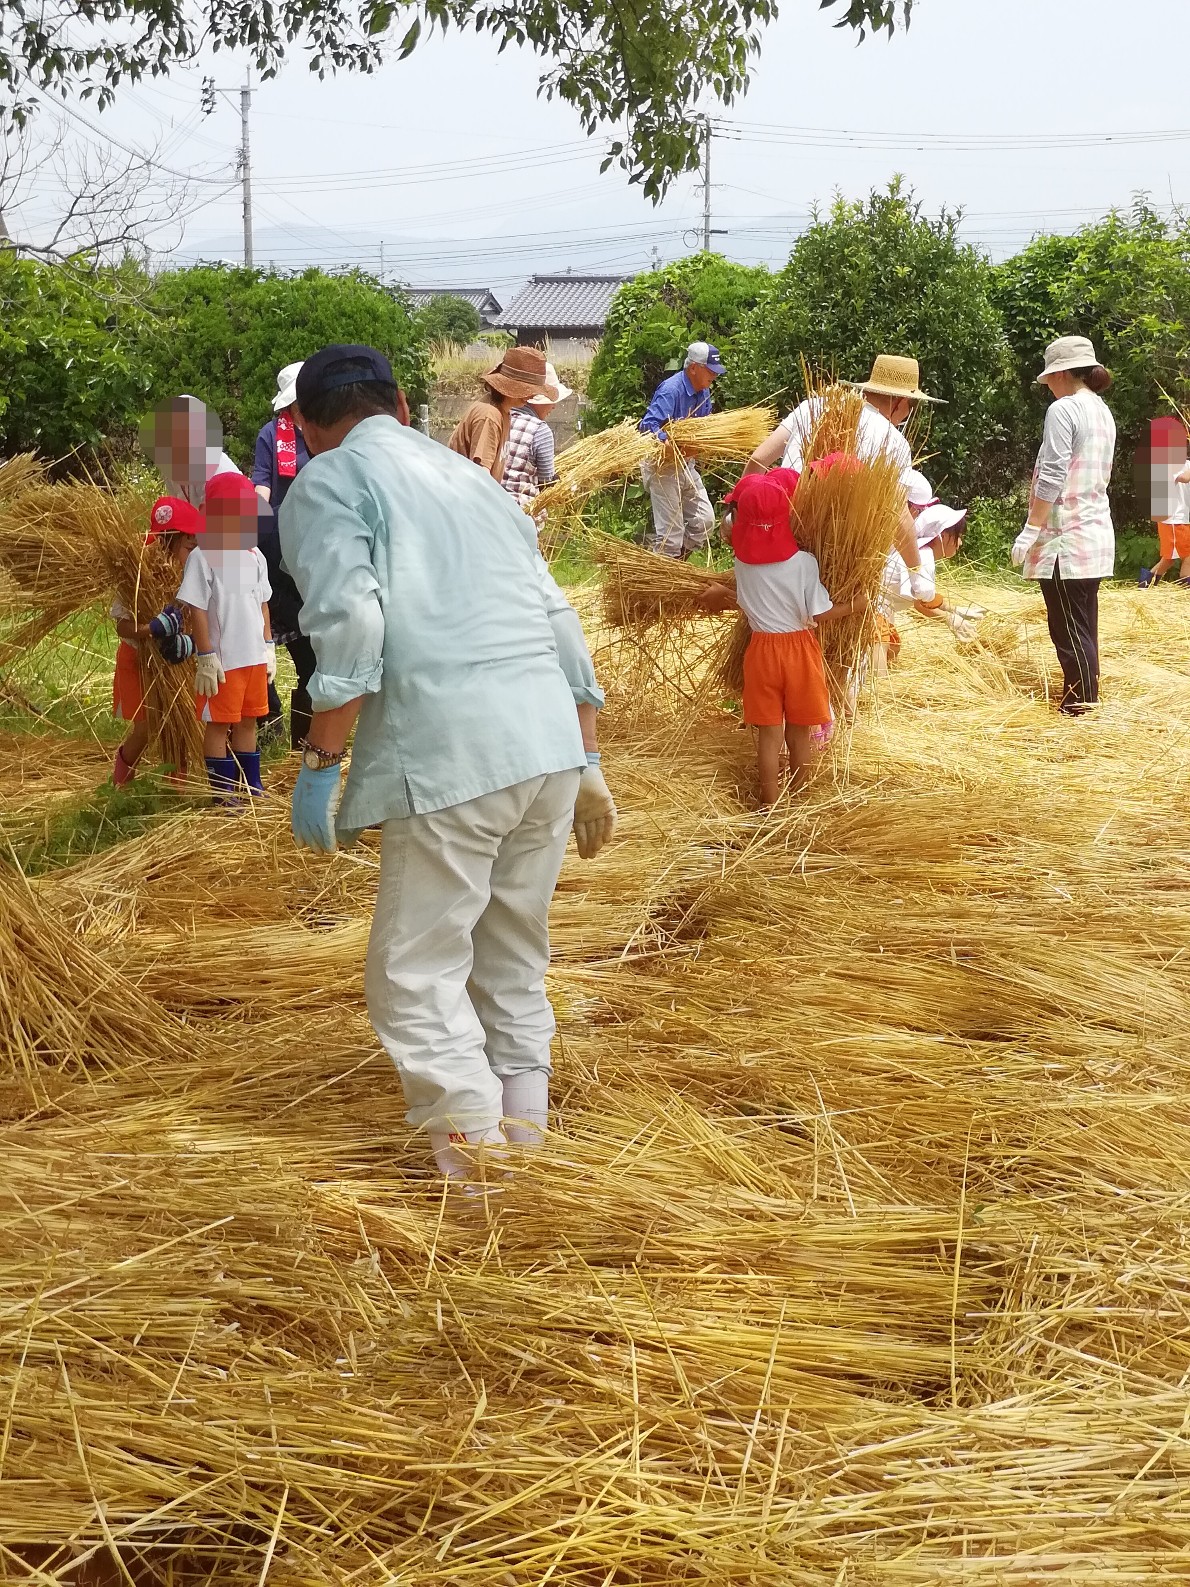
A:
(948, 543)
(232, 524)
(184, 440)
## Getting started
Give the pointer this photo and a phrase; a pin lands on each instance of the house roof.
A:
(570, 302)
(481, 299)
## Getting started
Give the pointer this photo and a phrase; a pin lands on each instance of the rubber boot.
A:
(463, 1156)
(300, 717)
(526, 1107)
(122, 772)
(249, 763)
(224, 777)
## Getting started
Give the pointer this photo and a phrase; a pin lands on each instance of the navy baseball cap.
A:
(705, 353)
(341, 364)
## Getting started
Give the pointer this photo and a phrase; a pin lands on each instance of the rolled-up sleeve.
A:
(573, 654)
(1057, 450)
(328, 547)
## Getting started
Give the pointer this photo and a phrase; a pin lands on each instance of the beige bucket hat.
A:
(521, 373)
(1068, 352)
(895, 377)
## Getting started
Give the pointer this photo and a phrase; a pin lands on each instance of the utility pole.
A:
(706, 184)
(246, 168)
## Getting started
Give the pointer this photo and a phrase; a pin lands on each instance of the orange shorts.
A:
(785, 681)
(243, 693)
(1174, 540)
(128, 695)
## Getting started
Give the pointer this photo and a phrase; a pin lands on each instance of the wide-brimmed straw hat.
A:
(522, 372)
(286, 386)
(895, 377)
(551, 380)
(1068, 352)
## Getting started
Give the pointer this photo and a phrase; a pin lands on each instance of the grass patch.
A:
(72, 829)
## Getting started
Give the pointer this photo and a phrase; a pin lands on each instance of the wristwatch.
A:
(315, 759)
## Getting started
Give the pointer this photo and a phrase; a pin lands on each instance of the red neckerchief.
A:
(286, 447)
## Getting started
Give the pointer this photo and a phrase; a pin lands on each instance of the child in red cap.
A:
(226, 588)
(780, 593)
(173, 525)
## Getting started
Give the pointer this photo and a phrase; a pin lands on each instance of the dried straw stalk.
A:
(640, 588)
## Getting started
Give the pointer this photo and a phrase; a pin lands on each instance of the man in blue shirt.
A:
(682, 513)
(435, 623)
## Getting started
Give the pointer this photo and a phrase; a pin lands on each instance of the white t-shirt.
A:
(874, 437)
(231, 586)
(781, 597)
(896, 594)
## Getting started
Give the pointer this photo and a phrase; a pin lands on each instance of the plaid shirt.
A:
(528, 457)
(1072, 471)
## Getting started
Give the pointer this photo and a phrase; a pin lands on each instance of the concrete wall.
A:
(446, 411)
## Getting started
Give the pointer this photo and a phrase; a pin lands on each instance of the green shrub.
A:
(993, 523)
(882, 277)
(223, 332)
(72, 368)
(448, 319)
(652, 321)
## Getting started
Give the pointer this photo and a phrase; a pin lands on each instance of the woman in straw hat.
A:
(1068, 544)
(891, 393)
(482, 433)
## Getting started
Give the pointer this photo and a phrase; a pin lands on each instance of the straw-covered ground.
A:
(862, 1253)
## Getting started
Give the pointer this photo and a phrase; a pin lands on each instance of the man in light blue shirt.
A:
(435, 623)
(682, 513)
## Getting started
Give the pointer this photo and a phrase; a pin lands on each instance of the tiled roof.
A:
(480, 298)
(570, 302)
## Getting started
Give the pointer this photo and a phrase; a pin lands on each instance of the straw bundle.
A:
(73, 546)
(19, 474)
(593, 463)
(639, 587)
(728, 437)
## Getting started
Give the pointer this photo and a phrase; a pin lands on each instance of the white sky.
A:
(343, 165)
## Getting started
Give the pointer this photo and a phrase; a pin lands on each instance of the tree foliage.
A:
(72, 371)
(448, 319)
(224, 332)
(1125, 283)
(882, 277)
(642, 64)
(652, 321)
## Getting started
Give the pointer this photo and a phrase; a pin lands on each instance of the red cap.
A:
(847, 461)
(173, 515)
(232, 487)
(762, 531)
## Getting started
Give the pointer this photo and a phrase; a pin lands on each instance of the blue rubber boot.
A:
(224, 776)
(1146, 578)
(249, 760)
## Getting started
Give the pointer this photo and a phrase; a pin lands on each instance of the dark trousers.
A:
(1072, 607)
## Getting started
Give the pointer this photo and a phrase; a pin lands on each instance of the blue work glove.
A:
(178, 648)
(167, 624)
(315, 804)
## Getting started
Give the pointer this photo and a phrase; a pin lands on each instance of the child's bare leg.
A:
(797, 741)
(878, 659)
(243, 735)
(214, 740)
(135, 743)
(768, 757)
(1161, 567)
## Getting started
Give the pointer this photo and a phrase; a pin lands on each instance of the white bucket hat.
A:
(1068, 352)
(551, 379)
(936, 520)
(286, 387)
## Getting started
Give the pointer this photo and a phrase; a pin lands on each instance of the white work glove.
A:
(962, 629)
(270, 660)
(972, 613)
(920, 587)
(594, 810)
(1024, 543)
(208, 674)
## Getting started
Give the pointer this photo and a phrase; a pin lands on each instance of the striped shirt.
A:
(529, 456)
(1072, 471)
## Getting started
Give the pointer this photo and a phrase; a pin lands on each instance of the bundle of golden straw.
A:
(727, 437)
(640, 588)
(70, 547)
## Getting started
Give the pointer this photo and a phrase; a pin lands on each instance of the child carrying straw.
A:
(225, 585)
(782, 596)
(173, 525)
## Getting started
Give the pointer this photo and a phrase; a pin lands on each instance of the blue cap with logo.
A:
(705, 353)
